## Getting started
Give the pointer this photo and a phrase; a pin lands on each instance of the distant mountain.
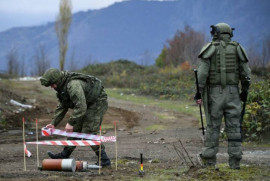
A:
(129, 29)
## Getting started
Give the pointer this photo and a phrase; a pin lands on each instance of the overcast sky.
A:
(17, 13)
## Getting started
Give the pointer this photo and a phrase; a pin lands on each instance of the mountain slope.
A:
(130, 28)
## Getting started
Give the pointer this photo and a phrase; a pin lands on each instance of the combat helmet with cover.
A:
(221, 28)
(51, 76)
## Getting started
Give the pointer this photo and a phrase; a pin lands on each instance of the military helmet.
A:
(51, 76)
(221, 28)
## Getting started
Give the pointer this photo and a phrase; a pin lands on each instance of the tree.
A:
(72, 66)
(62, 25)
(41, 60)
(184, 46)
(22, 67)
(13, 62)
(145, 58)
(266, 52)
(254, 56)
(160, 61)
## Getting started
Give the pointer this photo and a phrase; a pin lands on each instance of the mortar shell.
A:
(81, 165)
(59, 164)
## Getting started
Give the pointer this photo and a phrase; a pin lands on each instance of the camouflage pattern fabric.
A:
(91, 121)
(86, 96)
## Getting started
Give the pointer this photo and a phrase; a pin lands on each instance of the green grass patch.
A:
(186, 107)
(107, 126)
(155, 127)
(246, 172)
(22, 85)
(162, 174)
(163, 116)
(256, 144)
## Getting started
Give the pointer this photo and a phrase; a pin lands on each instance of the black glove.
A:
(243, 96)
(197, 96)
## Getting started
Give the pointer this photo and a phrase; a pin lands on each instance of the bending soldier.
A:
(223, 65)
(86, 96)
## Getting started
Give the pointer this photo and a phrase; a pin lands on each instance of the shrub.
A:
(256, 124)
(168, 82)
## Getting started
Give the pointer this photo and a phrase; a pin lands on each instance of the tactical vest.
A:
(224, 64)
(92, 92)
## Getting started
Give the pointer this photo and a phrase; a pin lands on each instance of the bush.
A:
(167, 82)
(256, 124)
(120, 73)
(261, 71)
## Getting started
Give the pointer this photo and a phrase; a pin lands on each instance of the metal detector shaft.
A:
(198, 92)
(243, 110)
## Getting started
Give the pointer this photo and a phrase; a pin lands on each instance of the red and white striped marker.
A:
(46, 131)
(50, 131)
(67, 142)
(27, 152)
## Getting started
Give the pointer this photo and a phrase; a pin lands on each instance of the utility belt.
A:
(232, 89)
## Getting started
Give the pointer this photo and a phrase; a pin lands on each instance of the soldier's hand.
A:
(50, 126)
(69, 128)
(199, 101)
(197, 96)
(243, 96)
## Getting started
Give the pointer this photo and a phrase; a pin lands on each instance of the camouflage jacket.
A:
(76, 91)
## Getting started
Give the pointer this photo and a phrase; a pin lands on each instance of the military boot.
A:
(206, 162)
(64, 154)
(234, 163)
(105, 161)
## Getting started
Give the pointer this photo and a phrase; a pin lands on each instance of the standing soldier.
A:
(223, 65)
(86, 96)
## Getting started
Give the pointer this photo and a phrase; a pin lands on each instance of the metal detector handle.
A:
(198, 92)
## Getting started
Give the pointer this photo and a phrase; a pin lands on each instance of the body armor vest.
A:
(224, 66)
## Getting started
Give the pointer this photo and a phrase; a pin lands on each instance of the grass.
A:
(163, 116)
(152, 171)
(256, 144)
(31, 88)
(155, 127)
(185, 107)
(173, 171)
(107, 126)
(247, 172)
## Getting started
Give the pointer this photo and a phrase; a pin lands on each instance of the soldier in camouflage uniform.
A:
(223, 65)
(86, 96)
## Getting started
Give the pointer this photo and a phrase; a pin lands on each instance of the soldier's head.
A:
(220, 29)
(51, 76)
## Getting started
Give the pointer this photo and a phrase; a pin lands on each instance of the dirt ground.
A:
(140, 129)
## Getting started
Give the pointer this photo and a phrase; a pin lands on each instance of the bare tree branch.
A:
(62, 25)
(41, 60)
(12, 62)
(184, 46)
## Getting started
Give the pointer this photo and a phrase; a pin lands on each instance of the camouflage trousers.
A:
(90, 123)
(223, 102)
